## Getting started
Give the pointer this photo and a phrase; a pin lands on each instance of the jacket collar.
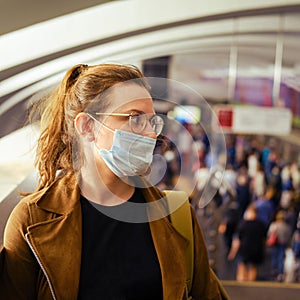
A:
(61, 197)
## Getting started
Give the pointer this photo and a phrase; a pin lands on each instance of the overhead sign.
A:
(225, 117)
(254, 119)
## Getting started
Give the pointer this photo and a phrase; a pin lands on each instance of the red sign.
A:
(225, 117)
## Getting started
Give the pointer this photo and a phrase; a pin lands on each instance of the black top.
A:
(252, 234)
(119, 260)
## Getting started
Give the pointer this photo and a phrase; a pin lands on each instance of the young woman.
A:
(79, 235)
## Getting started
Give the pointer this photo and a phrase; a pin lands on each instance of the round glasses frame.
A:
(138, 122)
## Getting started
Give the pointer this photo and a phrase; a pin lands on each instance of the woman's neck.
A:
(105, 187)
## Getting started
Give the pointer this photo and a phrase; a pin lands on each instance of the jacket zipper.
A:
(42, 267)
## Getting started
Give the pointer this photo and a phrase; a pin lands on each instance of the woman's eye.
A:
(138, 120)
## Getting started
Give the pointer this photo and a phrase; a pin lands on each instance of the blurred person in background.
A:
(271, 162)
(274, 180)
(265, 207)
(229, 224)
(252, 163)
(258, 183)
(295, 175)
(248, 246)
(243, 193)
(231, 151)
(283, 232)
(296, 249)
(286, 178)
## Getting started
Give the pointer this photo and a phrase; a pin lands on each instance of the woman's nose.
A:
(149, 131)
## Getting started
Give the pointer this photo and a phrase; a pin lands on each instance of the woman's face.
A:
(125, 99)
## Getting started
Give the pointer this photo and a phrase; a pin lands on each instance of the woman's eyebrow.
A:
(137, 111)
(134, 110)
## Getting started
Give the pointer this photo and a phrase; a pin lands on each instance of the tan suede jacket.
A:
(41, 255)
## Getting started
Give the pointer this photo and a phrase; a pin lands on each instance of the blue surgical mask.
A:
(130, 155)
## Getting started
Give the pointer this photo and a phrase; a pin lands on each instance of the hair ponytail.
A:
(54, 148)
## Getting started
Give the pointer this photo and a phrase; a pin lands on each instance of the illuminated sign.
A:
(254, 119)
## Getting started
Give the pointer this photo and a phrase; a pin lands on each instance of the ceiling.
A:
(207, 43)
(16, 14)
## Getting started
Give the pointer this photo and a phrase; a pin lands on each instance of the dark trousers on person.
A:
(278, 255)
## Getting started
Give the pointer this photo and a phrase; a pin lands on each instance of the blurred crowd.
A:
(256, 209)
(265, 211)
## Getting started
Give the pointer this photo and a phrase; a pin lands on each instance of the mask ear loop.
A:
(102, 124)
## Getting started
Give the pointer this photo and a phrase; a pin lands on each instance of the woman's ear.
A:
(84, 126)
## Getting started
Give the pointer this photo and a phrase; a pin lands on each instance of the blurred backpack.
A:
(181, 219)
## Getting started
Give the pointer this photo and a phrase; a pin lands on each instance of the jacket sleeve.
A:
(205, 285)
(18, 267)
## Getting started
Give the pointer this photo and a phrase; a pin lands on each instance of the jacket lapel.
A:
(170, 248)
(170, 251)
(57, 241)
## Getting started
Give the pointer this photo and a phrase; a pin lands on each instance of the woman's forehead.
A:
(127, 96)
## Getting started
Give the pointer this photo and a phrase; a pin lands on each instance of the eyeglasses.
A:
(138, 122)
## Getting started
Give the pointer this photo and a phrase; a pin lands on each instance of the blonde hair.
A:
(79, 88)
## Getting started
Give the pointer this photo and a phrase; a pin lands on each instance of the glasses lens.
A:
(157, 123)
(138, 123)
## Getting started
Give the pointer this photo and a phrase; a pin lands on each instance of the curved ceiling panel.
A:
(99, 34)
(116, 18)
